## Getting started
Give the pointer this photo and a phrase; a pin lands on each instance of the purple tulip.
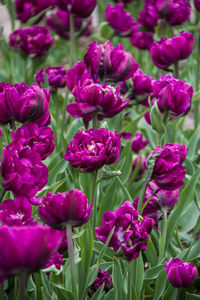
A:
(59, 21)
(142, 87)
(173, 95)
(141, 161)
(130, 233)
(175, 12)
(168, 51)
(181, 274)
(79, 8)
(22, 171)
(147, 117)
(103, 277)
(161, 199)
(137, 143)
(34, 40)
(55, 260)
(59, 209)
(92, 98)
(125, 135)
(91, 149)
(168, 171)
(16, 212)
(26, 9)
(27, 248)
(27, 103)
(41, 140)
(197, 5)
(120, 20)
(108, 63)
(149, 16)
(141, 39)
(76, 76)
(56, 76)
(5, 115)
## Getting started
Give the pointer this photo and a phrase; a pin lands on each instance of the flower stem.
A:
(2, 194)
(95, 121)
(144, 187)
(71, 260)
(2, 291)
(93, 197)
(176, 69)
(196, 105)
(72, 40)
(22, 285)
(163, 235)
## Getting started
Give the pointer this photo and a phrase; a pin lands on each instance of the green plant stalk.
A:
(95, 122)
(37, 280)
(72, 260)
(93, 197)
(72, 41)
(2, 291)
(196, 105)
(163, 236)
(176, 69)
(22, 285)
(131, 272)
(2, 194)
(142, 194)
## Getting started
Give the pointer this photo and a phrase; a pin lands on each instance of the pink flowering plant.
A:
(99, 156)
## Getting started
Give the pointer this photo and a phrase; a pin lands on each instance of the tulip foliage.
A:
(99, 157)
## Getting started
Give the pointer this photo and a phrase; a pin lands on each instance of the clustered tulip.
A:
(131, 233)
(103, 277)
(91, 149)
(56, 76)
(141, 39)
(142, 87)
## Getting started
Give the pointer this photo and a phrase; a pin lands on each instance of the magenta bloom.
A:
(92, 97)
(59, 209)
(173, 95)
(120, 19)
(28, 103)
(141, 39)
(27, 248)
(149, 16)
(103, 277)
(79, 8)
(41, 140)
(180, 273)
(108, 63)
(26, 9)
(22, 171)
(5, 115)
(59, 21)
(176, 12)
(91, 149)
(197, 5)
(168, 51)
(168, 171)
(125, 135)
(131, 233)
(56, 260)
(16, 212)
(76, 76)
(142, 87)
(161, 199)
(137, 143)
(56, 76)
(34, 40)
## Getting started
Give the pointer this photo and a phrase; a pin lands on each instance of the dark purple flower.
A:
(131, 233)
(91, 97)
(161, 199)
(59, 21)
(197, 5)
(141, 39)
(142, 87)
(91, 149)
(16, 212)
(147, 117)
(22, 171)
(149, 16)
(27, 248)
(26, 9)
(34, 40)
(168, 51)
(180, 273)
(103, 277)
(56, 260)
(173, 95)
(168, 171)
(120, 20)
(176, 12)
(125, 135)
(79, 8)
(5, 115)
(56, 76)
(108, 63)
(59, 209)
(41, 140)
(137, 143)
(141, 162)
(27, 103)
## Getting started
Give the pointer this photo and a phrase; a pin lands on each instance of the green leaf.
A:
(151, 254)
(193, 143)
(118, 279)
(196, 97)
(153, 273)
(139, 276)
(160, 285)
(192, 297)
(86, 244)
(124, 190)
(156, 119)
(62, 293)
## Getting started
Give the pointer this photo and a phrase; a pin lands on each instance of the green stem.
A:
(2, 194)
(130, 279)
(196, 105)
(95, 121)
(93, 197)
(71, 260)
(178, 297)
(176, 69)
(12, 125)
(163, 235)
(22, 285)
(37, 280)
(2, 291)
(178, 239)
(72, 40)
(142, 194)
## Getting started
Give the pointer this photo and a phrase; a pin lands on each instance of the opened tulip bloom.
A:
(27, 248)
(142, 88)
(131, 233)
(61, 209)
(79, 8)
(165, 166)
(91, 149)
(103, 277)
(180, 273)
(56, 76)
